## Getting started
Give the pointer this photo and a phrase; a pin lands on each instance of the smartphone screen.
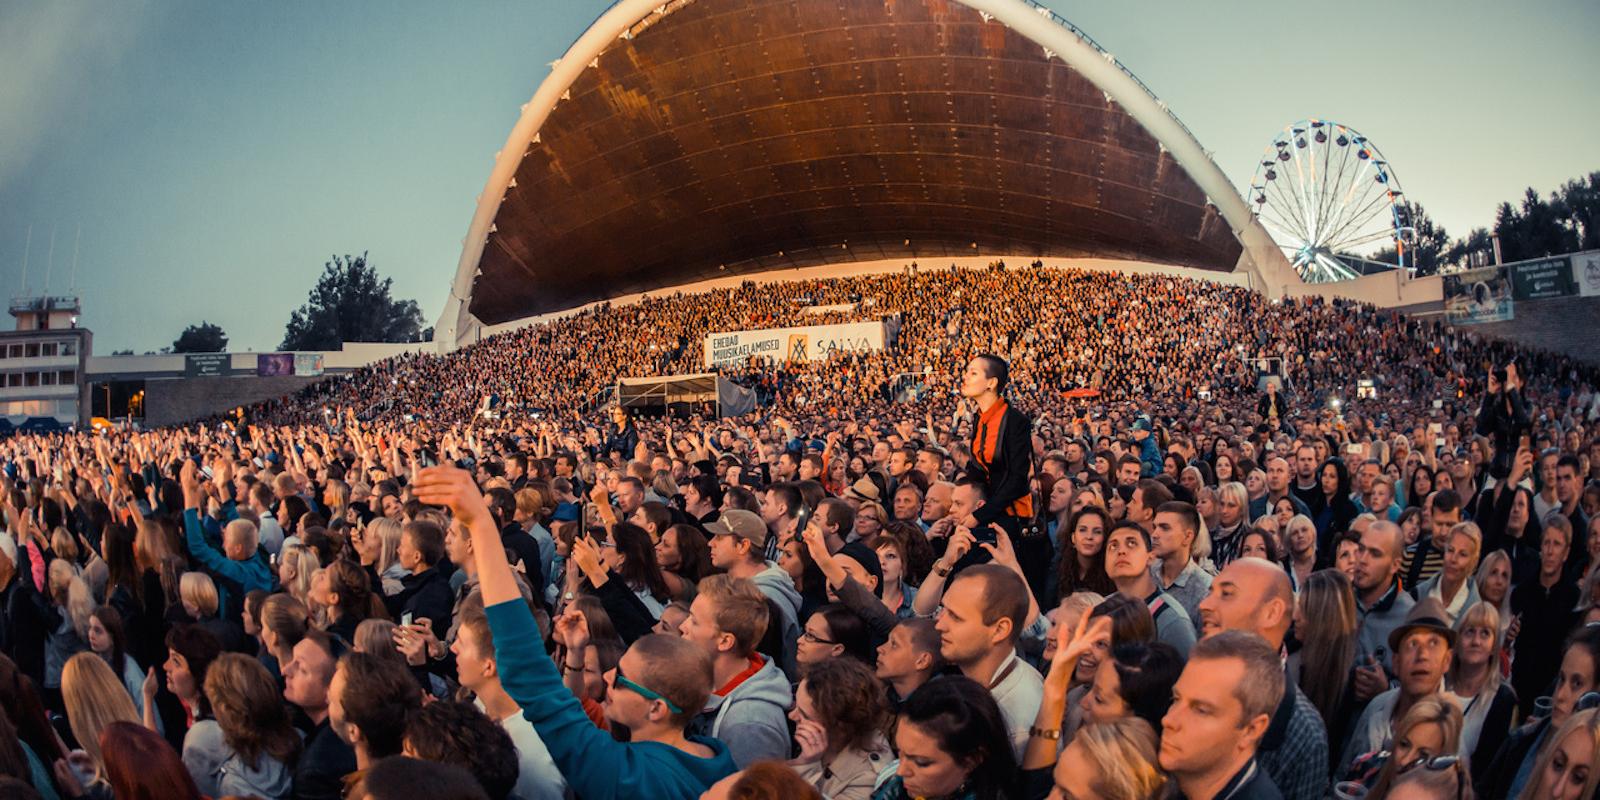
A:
(405, 620)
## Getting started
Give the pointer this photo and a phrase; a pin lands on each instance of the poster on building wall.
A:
(809, 343)
(273, 365)
(1542, 278)
(1586, 272)
(206, 365)
(1478, 295)
(309, 364)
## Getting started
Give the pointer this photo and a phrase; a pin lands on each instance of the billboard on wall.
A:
(309, 364)
(206, 365)
(272, 365)
(1477, 295)
(1586, 272)
(809, 343)
(1542, 278)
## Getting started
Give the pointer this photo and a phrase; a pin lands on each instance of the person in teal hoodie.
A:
(660, 684)
(238, 568)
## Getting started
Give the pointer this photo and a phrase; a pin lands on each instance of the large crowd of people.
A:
(1071, 534)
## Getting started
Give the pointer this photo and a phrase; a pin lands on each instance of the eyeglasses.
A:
(618, 681)
(815, 639)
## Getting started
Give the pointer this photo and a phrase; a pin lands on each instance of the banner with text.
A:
(1586, 272)
(1542, 278)
(206, 365)
(810, 343)
(1477, 295)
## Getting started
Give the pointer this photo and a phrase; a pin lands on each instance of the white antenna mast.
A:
(50, 264)
(73, 288)
(26, 249)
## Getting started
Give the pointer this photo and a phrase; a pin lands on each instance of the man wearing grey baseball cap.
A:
(738, 545)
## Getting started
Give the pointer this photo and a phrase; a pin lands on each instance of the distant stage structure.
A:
(683, 141)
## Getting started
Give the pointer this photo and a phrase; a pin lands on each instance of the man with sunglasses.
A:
(660, 683)
(751, 697)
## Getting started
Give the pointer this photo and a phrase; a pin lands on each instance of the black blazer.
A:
(1006, 479)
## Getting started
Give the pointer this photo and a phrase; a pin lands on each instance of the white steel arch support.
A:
(1269, 270)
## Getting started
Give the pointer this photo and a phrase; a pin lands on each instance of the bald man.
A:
(1380, 604)
(1253, 594)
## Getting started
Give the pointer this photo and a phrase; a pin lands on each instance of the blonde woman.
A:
(1205, 502)
(296, 564)
(1569, 764)
(1233, 512)
(1431, 727)
(198, 594)
(1300, 540)
(68, 623)
(1488, 702)
(1453, 585)
(1326, 623)
(249, 748)
(1494, 586)
(94, 697)
(1111, 760)
(383, 536)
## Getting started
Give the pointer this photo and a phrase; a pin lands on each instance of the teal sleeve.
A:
(595, 765)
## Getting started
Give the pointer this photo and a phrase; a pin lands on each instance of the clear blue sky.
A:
(217, 153)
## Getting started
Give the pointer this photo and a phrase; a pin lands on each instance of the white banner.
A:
(810, 343)
(1586, 271)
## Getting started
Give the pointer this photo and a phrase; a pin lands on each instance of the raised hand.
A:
(572, 630)
(453, 488)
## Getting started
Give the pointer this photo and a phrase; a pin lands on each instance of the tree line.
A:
(1567, 220)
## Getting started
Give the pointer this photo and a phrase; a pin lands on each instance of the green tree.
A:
(202, 338)
(350, 304)
(1534, 230)
(1581, 203)
(1476, 249)
(1428, 242)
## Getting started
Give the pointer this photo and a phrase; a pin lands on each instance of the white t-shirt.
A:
(537, 775)
(1018, 691)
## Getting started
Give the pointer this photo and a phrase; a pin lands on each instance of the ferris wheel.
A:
(1330, 200)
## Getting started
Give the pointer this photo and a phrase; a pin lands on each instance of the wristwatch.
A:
(940, 569)
(1053, 734)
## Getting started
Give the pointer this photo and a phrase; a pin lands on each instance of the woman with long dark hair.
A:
(1419, 485)
(109, 641)
(953, 743)
(1083, 554)
(1337, 511)
(684, 557)
(621, 570)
